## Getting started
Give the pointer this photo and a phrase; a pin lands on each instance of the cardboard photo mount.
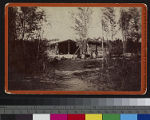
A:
(143, 48)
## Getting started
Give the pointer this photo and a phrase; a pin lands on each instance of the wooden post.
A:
(68, 47)
(56, 49)
(96, 48)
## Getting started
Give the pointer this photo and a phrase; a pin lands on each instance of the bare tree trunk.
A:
(38, 49)
(124, 43)
(103, 53)
(124, 58)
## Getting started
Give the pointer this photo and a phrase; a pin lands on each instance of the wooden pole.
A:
(68, 47)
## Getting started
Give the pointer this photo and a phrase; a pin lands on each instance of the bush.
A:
(27, 56)
(116, 47)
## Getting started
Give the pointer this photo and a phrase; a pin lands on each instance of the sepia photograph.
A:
(87, 48)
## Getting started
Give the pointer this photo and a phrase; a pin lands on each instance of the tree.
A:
(82, 20)
(134, 30)
(125, 17)
(25, 28)
(109, 23)
(29, 25)
(12, 11)
(29, 22)
(130, 25)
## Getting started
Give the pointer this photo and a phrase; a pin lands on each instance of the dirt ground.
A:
(81, 75)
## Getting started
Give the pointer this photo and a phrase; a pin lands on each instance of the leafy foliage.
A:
(26, 46)
(12, 26)
(29, 22)
(82, 19)
(130, 25)
(109, 21)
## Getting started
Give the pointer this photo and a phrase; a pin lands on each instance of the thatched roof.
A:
(60, 41)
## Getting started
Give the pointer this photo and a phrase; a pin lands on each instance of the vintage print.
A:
(75, 49)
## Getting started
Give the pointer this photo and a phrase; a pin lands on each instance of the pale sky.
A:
(60, 20)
